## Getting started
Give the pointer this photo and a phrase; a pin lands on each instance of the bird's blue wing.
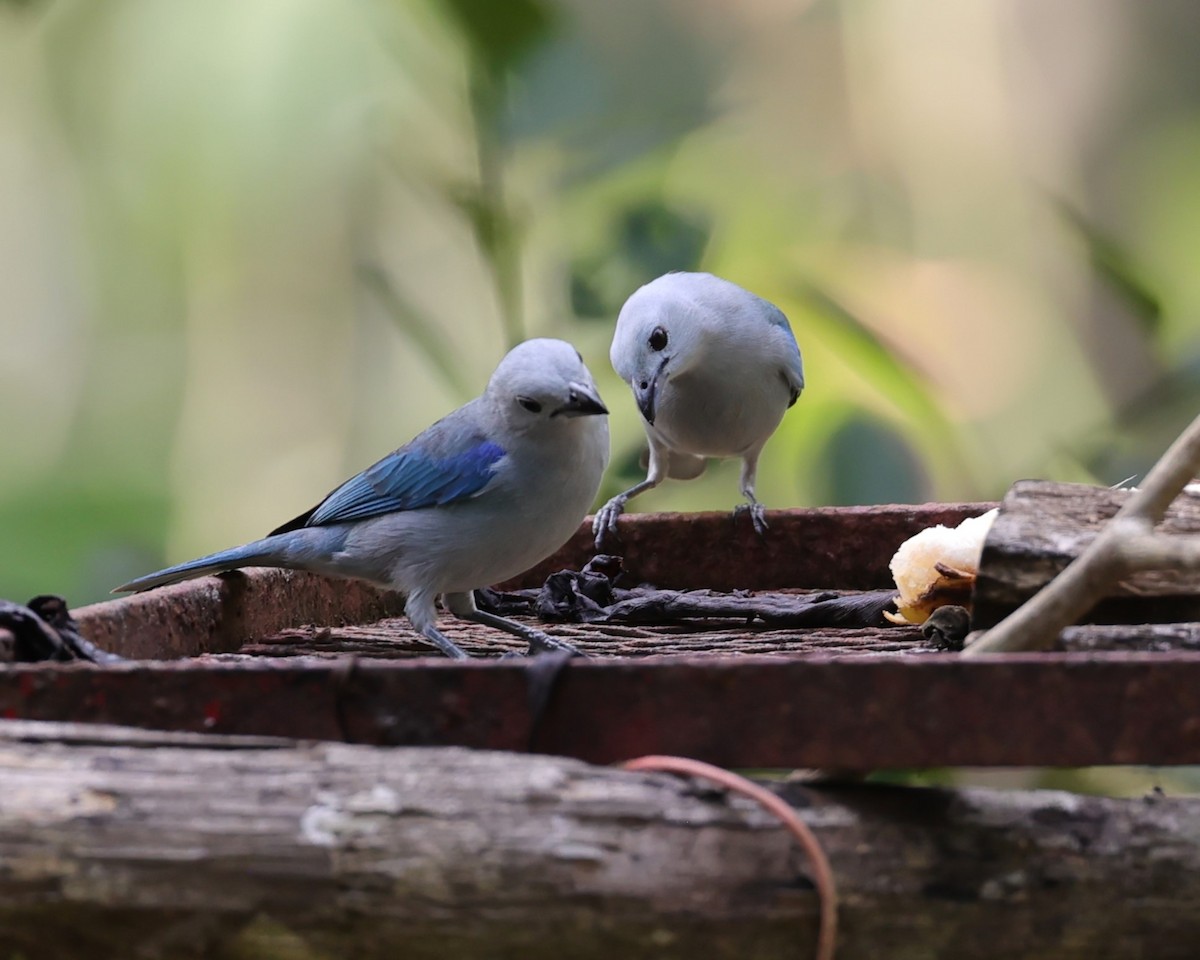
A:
(419, 474)
(794, 366)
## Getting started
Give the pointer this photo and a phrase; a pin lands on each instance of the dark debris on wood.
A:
(596, 610)
(594, 595)
(43, 629)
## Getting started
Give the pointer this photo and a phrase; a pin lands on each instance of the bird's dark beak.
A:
(646, 393)
(582, 401)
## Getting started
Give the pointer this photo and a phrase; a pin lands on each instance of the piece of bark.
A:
(305, 850)
(1121, 637)
(1156, 637)
(1043, 526)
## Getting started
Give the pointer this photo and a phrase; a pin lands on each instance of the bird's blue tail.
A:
(292, 549)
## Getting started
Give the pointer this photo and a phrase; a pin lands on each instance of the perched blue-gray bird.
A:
(712, 368)
(482, 495)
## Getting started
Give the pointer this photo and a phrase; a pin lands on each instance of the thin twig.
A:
(1122, 547)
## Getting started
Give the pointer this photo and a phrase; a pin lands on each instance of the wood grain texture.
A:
(327, 850)
(1043, 526)
(1155, 637)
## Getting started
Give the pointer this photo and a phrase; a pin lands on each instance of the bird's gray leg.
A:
(444, 643)
(462, 605)
(758, 513)
(422, 614)
(605, 522)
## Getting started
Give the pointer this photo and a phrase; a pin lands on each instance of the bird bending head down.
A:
(484, 494)
(712, 368)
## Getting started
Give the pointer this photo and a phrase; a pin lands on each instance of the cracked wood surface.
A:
(288, 849)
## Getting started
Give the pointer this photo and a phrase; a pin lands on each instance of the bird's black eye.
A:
(658, 338)
(530, 404)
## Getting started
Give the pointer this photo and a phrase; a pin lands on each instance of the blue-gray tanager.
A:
(712, 368)
(482, 495)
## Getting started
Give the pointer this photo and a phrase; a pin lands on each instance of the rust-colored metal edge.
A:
(220, 614)
(845, 548)
(752, 711)
(836, 547)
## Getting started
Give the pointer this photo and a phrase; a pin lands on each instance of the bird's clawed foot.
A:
(604, 524)
(540, 643)
(544, 643)
(758, 515)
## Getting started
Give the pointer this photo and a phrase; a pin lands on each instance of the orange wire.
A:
(822, 874)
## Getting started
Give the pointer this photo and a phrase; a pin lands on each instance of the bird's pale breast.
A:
(715, 414)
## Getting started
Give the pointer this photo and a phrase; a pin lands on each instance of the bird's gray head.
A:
(661, 329)
(543, 380)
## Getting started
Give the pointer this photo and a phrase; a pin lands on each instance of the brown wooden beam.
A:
(182, 849)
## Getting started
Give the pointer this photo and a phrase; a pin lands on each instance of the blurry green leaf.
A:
(614, 95)
(587, 298)
(497, 231)
(858, 345)
(490, 224)
(412, 322)
(501, 34)
(648, 240)
(1175, 393)
(658, 238)
(873, 358)
(870, 462)
(1113, 265)
(1145, 426)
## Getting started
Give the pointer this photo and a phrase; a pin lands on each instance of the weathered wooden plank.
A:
(1158, 637)
(852, 713)
(1043, 526)
(335, 850)
(843, 547)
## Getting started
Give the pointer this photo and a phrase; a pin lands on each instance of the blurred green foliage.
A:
(247, 247)
(500, 36)
(646, 240)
